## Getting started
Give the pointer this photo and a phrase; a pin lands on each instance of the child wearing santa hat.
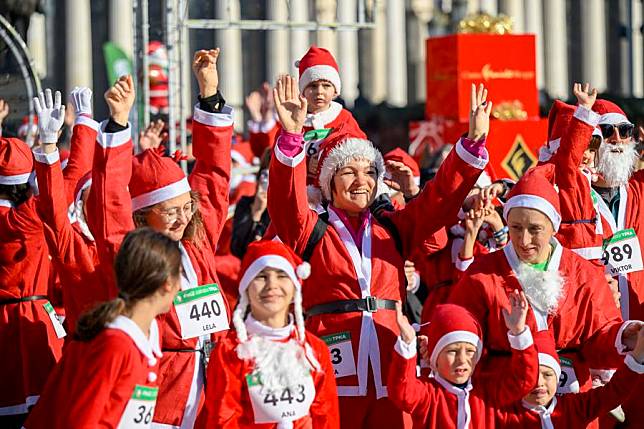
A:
(541, 409)
(271, 372)
(451, 398)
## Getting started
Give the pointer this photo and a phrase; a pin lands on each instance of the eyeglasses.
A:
(172, 215)
(624, 130)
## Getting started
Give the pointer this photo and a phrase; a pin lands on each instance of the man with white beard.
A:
(565, 293)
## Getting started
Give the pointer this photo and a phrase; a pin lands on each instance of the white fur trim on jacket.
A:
(587, 116)
(321, 72)
(223, 119)
(158, 195)
(349, 149)
(116, 139)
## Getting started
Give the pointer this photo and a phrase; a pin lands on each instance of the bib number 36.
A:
(140, 408)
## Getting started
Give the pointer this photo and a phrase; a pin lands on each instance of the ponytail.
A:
(90, 324)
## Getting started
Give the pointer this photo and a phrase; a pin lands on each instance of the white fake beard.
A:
(617, 167)
(279, 364)
(543, 289)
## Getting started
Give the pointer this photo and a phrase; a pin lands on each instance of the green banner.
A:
(317, 134)
(116, 61)
(195, 293)
(253, 380)
(145, 393)
(337, 338)
(624, 234)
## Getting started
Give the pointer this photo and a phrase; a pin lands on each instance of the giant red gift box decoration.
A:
(506, 65)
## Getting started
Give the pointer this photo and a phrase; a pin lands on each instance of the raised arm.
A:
(287, 194)
(211, 140)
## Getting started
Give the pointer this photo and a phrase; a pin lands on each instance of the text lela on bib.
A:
(341, 354)
(201, 311)
(286, 404)
(622, 253)
(140, 408)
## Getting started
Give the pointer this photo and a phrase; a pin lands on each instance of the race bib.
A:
(622, 253)
(140, 408)
(58, 327)
(201, 310)
(312, 141)
(341, 354)
(568, 382)
(283, 405)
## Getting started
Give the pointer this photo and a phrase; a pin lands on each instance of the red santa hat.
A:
(400, 155)
(610, 112)
(449, 324)
(16, 161)
(270, 254)
(155, 179)
(338, 150)
(242, 153)
(536, 190)
(318, 64)
(545, 344)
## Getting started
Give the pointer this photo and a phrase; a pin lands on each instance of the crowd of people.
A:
(302, 279)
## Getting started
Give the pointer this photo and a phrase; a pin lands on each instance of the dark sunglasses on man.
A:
(624, 130)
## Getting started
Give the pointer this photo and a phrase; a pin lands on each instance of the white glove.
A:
(81, 99)
(51, 115)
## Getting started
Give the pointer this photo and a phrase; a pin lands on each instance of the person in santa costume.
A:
(30, 334)
(565, 294)
(453, 397)
(108, 374)
(152, 190)
(270, 372)
(262, 126)
(541, 409)
(357, 262)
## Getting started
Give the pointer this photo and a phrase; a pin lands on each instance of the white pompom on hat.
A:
(318, 64)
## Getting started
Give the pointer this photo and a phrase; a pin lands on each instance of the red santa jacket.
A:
(28, 334)
(102, 382)
(341, 271)
(228, 402)
(436, 403)
(181, 372)
(586, 326)
(262, 135)
(575, 411)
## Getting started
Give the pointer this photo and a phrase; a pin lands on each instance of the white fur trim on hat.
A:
(237, 156)
(348, 150)
(456, 337)
(16, 179)
(613, 118)
(550, 362)
(159, 195)
(271, 261)
(320, 72)
(533, 202)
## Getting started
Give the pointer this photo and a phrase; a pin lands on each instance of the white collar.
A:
(6, 203)
(321, 119)
(150, 347)
(458, 391)
(255, 327)
(540, 408)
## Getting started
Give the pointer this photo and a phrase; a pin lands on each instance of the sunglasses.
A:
(624, 130)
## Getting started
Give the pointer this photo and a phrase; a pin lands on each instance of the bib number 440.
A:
(201, 311)
(208, 309)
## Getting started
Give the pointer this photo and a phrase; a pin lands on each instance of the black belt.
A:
(370, 304)
(24, 299)
(182, 350)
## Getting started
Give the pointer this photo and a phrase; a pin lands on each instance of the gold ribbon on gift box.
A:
(485, 23)
(509, 111)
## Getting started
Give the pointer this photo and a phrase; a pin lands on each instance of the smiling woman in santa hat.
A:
(152, 190)
(108, 374)
(564, 292)
(30, 334)
(357, 273)
(270, 372)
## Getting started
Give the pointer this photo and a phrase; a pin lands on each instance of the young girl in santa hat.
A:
(357, 273)
(540, 409)
(30, 333)
(108, 374)
(152, 190)
(270, 372)
(451, 398)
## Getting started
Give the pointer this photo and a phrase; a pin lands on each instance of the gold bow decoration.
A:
(509, 111)
(485, 23)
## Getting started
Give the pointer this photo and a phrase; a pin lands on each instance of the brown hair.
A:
(194, 232)
(144, 263)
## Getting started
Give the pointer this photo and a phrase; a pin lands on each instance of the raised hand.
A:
(401, 179)
(204, 66)
(81, 99)
(4, 110)
(515, 318)
(585, 96)
(407, 332)
(480, 110)
(290, 104)
(120, 98)
(474, 220)
(51, 116)
(493, 191)
(152, 136)
(254, 105)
